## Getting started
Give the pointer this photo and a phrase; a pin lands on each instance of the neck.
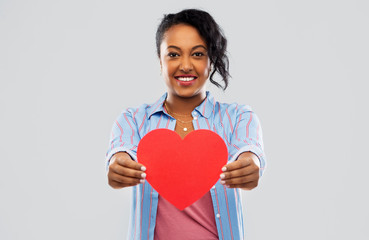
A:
(182, 105)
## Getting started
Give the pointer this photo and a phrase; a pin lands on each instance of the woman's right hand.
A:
(125, 172)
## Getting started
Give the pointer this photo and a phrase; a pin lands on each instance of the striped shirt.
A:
(236, 124)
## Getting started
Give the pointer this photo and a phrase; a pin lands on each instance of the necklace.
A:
(184, 128)
(176, 115)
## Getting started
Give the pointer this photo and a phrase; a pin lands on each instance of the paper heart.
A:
(182, 171)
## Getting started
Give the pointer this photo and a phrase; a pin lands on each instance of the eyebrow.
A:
(178, 48)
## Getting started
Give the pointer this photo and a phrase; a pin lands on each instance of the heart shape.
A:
(182, 171)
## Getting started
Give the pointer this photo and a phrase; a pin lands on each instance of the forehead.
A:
(182, 36)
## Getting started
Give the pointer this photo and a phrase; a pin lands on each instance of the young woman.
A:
(191, 49)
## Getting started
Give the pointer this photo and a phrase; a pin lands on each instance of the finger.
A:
(250, 169)
(126, 161)
(118, 185)
(247, 186)
(240, 163)
(124, 180)
(241, 180)
(128, 172)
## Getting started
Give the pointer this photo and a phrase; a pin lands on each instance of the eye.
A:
(173, 54)
(198, 54)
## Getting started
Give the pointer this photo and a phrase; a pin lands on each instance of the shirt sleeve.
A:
(247, 136)
(124, 137)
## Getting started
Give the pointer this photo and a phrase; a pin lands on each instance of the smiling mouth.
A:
(185, 78)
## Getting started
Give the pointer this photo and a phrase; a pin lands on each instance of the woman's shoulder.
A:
(137, 109)
(223, 108)
(232, 108)
(146, 109)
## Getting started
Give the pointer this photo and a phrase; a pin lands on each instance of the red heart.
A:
(182, 171)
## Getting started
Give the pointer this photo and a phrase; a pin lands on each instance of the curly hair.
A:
(210, 31)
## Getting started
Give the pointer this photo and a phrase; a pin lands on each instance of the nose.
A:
(186, 65)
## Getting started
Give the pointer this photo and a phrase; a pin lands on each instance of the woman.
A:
(191, 49)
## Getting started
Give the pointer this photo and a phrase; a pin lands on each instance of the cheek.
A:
(205, 68)
(168, 68)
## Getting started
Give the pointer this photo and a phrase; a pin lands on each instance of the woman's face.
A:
(184, 61)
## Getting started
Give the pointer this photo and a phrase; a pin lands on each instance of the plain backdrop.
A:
(68, 68)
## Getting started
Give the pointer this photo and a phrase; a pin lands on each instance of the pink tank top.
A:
(194, 222)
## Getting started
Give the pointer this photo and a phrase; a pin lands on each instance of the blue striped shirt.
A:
(236, 124)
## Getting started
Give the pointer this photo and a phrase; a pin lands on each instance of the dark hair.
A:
(209, 30)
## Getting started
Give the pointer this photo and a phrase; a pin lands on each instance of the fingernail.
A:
(222, 182)
(222, 175)
(143, 175)
(143, 168)
(224, 169)
(142, 180)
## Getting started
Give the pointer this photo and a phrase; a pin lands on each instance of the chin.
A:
(188, 93)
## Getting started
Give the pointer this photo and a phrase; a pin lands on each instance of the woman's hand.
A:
(125, 172)
(242, 173)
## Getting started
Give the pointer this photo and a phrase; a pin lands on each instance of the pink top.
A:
(194, 222)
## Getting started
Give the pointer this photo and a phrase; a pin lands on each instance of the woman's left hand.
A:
(242, 173)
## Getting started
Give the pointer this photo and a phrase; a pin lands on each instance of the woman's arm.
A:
(248, 151)
(122, 170)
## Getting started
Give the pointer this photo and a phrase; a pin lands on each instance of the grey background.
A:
(67, 69)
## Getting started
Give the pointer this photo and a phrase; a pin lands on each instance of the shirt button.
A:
(213, 187)
(195, 118)
(218, 215)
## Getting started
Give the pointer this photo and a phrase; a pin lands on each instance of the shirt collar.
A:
(205, 108)
(157, 106)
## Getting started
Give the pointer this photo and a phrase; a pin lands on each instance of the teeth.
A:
(185, 79)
